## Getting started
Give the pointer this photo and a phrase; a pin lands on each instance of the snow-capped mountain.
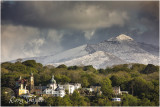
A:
(118, 50)
(127, 49)
(98, 59)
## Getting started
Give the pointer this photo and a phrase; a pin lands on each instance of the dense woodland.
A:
(141, 81)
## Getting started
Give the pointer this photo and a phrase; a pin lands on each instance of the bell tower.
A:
(31, 83)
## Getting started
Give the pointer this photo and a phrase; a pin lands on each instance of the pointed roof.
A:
(31, 74)
(53, 80)
(20, 78)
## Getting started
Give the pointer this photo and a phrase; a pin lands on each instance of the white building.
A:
(116, 99)
(59, 90)
(70, 87)
(52, 89)
(55, 93)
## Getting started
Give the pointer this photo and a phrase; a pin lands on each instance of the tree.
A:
(11, 82)
(89, 68)
(17, 67)
(129, 100)
(150, 68)
(62, 79)
(66, 101)
(4, 71)
(6, 94)
(30, 63)
(85, 82)
(49, 101)
(146, 102)
(75, 98)
(78, 100)
(62, 66)
(106, 87)
(121, 79)
(102, 71)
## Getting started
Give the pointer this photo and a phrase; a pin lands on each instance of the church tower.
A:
(53, 84)
(31, 83)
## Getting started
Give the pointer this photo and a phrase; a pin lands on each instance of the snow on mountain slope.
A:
(121, 37)
(115, 50)
(66, 55)
(125, 48)
(98, 59)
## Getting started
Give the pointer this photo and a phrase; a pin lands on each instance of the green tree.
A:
(78, 100)
(66, 101)
(62, 66)
(150, 68)
(106, 87)
(62, 79)
(30, 63)
(85, 82)
(146, 102)
(6, 95)
(4, 71)
(129, 100)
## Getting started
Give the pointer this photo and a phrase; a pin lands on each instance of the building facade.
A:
(21, 87)
(117, 91)
(53, 89)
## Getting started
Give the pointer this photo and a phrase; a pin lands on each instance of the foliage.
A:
(140, 80)
(30, 63)
(150, 68)
(129, 100)
(8, 98)
(62, 66)
(107, 87)
(62, 79)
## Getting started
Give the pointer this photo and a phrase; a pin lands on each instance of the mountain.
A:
(128, 50)
(98, 59)
(117, 50)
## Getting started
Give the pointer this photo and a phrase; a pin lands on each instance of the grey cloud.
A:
(64, 25)
(21, 42)
(63, 15)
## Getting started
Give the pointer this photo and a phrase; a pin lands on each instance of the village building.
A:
(53, 90)
(70, 87)
(92, 91)
(96, 88)
(21, 87)
(116, 99)
(117, 91)
(39, 89)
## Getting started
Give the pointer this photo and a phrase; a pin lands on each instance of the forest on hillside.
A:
(141, 81)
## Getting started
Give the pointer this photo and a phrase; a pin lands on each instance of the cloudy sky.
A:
(37, 28)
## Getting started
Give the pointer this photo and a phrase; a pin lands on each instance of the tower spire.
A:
(31, 83)
(20, 78)
(53, 80)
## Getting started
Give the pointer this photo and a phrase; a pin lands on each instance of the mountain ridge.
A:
(121, 48)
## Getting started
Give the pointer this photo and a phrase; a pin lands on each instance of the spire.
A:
(52, 80)
(20, 78)
(31, 74)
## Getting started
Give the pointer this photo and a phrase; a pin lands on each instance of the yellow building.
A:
(22, 90)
